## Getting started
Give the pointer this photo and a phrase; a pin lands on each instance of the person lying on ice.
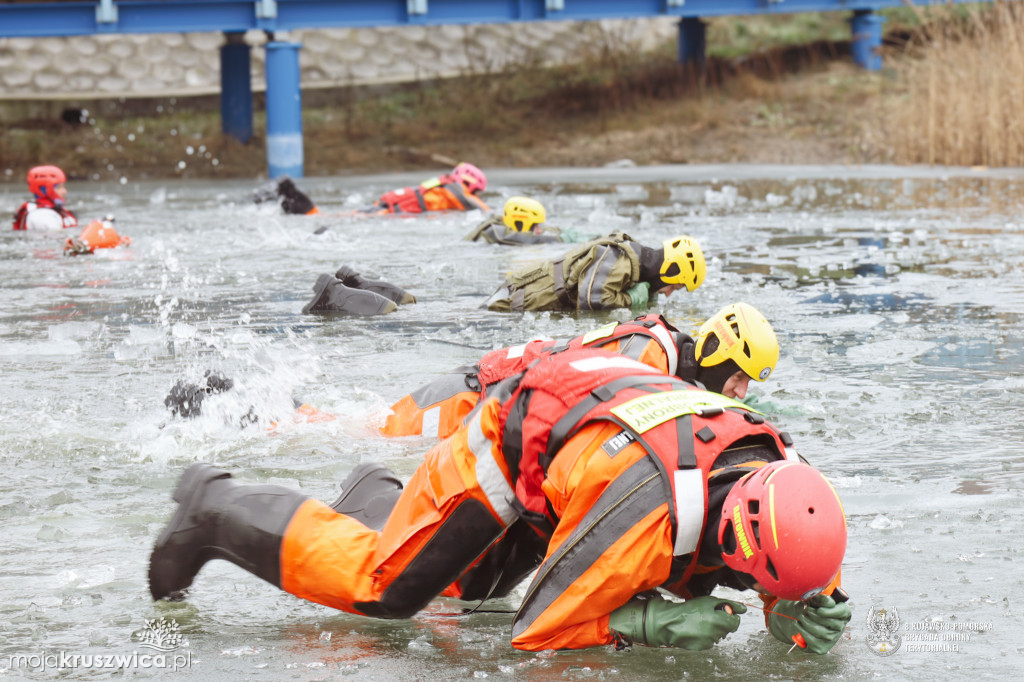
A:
(455, 191)
(609, 272)
(46, 210)
(603, 475)
(521, 223)
(734, 346)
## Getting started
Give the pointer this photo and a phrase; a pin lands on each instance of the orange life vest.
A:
(683, 429)
(429, 196)
(500, 364)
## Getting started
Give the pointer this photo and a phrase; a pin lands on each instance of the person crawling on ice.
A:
(733, 347)
(605, 273)
(455, 191)
(570, 472)
(522, 223)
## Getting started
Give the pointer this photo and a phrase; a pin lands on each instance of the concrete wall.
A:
(189, 64)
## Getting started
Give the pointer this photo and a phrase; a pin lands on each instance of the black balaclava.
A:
(650, 267)
(715, 376)
(686, 366)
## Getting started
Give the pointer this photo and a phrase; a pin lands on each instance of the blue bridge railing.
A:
(79, 17)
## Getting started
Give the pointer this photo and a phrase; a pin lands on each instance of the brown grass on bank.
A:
(949, 96)
(787, 105)
(961, 90)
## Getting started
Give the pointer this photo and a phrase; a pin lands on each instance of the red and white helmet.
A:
(471, 177)
(784, 525)
(43, 179)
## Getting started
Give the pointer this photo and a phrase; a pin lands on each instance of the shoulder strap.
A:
(567, 425)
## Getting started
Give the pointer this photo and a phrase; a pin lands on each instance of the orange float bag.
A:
(99, 234)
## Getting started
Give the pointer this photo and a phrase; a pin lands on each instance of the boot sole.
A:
(319, 288)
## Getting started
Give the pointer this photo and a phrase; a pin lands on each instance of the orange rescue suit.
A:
(543, 472)
(440, 406)
(439, 194)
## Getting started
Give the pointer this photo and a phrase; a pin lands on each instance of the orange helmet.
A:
(784, 526)
(43, 179)
(472, 178)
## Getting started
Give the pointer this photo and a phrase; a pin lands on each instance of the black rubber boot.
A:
(218, 518)
(331, 296)
(369, 494)
(351, 278)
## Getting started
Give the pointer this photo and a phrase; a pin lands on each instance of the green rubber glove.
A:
(571, 236)
(694, 624)
(640, 294)
(820, 621)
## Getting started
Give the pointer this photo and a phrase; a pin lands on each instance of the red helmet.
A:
(42, 179)
(784, 525)
(471, 177)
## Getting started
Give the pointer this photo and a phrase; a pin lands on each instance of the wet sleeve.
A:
(512, 237)
(436, 408)
(612, 542)
(606, 282)
(477, 233)
(478, 203)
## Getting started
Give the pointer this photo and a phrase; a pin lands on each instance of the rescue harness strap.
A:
(625, 502)
(560, 291)
(568, 424)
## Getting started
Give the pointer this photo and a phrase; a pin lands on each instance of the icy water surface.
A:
(897, 295)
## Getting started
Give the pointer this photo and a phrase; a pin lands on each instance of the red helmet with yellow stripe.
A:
(784, 526)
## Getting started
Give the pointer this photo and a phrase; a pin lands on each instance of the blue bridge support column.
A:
(692, 41)
(284, 110)
(866, 27)
(236, 88)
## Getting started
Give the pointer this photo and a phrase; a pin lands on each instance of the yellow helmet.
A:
(738, 332)
(522, 214)
(684, 253)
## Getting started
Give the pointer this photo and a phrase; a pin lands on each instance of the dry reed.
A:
(961, 90)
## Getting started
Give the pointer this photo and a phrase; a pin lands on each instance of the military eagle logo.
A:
(882, 627)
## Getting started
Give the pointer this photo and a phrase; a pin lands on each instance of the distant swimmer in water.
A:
(522, 223)
(604, 479)
(458, 190)
(46, 211)
(346, 292)
(186, 398)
